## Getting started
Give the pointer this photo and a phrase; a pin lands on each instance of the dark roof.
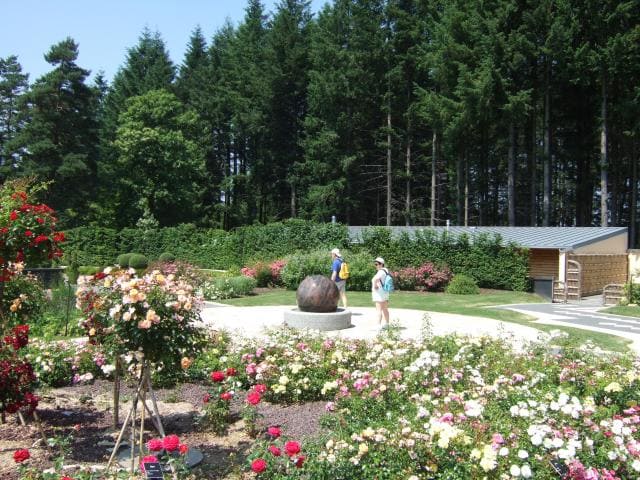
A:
(530, 237)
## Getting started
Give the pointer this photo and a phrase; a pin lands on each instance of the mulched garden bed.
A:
(84, 413)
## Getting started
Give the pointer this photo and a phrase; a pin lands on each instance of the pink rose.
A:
(275, 450)
(253, 398)
(259, 465)
(171, 443)
(155, 444)
(291, 448)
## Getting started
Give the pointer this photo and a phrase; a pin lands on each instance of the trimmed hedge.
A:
(485, 260)
(207, 248)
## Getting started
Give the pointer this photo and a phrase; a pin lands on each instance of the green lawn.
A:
(626, 311)
(475, 305)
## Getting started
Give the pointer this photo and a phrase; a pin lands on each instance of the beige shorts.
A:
(341, 286)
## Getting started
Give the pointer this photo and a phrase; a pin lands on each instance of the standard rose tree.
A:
(27, 234)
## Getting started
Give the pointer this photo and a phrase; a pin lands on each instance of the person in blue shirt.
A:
(335, 270)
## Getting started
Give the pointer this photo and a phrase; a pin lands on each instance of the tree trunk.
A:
(466, 191)
(604, 160)
(533, 177)
(434, 161)
(459, 188)
(511, 180)
(634, 196)
(407, 200)
(293, 201)
(546, 167)
(389, 169)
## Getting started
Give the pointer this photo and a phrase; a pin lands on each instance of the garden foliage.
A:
(484, 259)
(463, 285)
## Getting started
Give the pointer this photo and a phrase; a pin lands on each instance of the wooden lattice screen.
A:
(599, 270)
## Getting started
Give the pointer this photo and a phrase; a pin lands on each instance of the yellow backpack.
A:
(344, 270)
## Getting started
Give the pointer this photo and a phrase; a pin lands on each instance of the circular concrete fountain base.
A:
(337, 320)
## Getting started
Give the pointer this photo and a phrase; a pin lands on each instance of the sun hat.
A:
(379, 260)
(336, 252)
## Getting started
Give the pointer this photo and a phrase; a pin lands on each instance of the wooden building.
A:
(601, 253)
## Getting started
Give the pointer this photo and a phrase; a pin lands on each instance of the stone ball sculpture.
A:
(317, 294)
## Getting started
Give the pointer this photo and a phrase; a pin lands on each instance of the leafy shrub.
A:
(426, 277)
(302, 265)
(123, 259)
(89, 269)
(60, 315)
(266, 275)
(167, 257)
(492, 264)
(24, 299)
(222, 288)
(263, 274)
(138, 261)
(463, 285)
(184, 270)
(632, 291)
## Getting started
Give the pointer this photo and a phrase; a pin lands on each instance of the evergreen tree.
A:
(59, 141)
(13, 84)
(147, 67)
(287, 60)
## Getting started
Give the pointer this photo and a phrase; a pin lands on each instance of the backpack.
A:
(387, 285)
(343, 274)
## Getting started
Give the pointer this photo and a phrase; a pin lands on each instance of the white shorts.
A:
(379, 295)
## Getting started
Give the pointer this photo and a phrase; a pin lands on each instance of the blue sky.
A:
(105, 29)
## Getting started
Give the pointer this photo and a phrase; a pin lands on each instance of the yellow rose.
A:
(92, 332)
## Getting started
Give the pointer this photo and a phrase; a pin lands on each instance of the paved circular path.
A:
(252, 321)
(585, 315)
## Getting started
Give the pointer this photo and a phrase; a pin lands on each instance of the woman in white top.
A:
(378, 294)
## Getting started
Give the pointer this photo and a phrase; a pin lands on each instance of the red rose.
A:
(21, 455)
(171, 443)
(58, 237)
(226, 396)
(274, 431)
(28, 233)
(231, 372)
(4, 230)
(13, 216)
(99, 276)
(40, 238)
(66, 478)
(183, 449)
(206, 398)
(259, 465)
(291, 448)
(260, 388)
(155, 444)
(217, 376)
(40, 220)
(253, 398)
(275, 450)
(299, 461)
(147, 459)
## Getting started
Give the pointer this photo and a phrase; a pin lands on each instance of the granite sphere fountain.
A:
(317, 297)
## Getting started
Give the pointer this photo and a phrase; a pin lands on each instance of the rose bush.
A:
(153, 318)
